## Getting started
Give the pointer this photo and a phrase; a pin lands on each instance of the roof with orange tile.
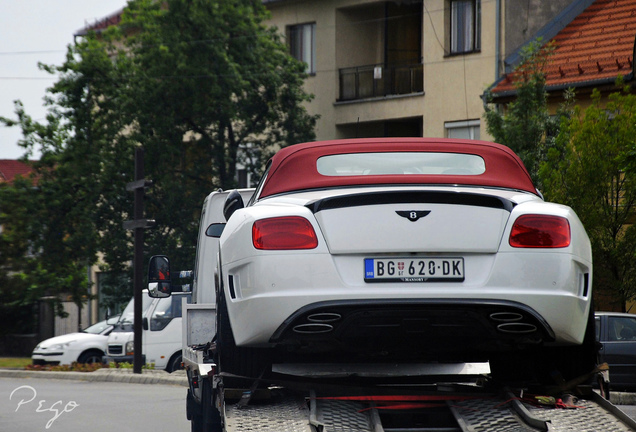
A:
(595, 47)
(9, 169)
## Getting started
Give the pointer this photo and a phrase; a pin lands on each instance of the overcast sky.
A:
(33, 31)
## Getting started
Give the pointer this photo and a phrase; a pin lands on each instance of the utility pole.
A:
(138, 224)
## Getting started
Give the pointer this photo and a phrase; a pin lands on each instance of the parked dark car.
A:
(617, 334)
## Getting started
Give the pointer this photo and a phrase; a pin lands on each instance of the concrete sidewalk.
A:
(148, 376)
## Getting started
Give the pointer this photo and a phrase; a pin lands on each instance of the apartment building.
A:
(407, 67)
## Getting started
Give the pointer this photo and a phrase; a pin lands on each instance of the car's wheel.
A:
(574, 361)
(548, 366)
(174, 363)
(91, 356)
(245, 362)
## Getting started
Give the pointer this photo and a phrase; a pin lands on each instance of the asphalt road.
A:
(630, 410)
(32, 405)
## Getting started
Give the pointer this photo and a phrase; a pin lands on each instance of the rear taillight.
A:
(540, 231)
(283, 233)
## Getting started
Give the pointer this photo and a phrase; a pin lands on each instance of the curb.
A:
(104, 375)
(622, 398)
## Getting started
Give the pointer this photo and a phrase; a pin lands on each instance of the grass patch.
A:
(14, 362)
(26, 363)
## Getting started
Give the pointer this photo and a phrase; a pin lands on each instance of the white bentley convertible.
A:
(403, 249)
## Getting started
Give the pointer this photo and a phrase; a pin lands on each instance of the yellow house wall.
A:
(324, 83)
(452, 84)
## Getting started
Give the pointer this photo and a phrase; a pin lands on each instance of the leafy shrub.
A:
(84, 367)
(73, 367)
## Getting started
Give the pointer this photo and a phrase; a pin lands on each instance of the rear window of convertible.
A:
(356, 164)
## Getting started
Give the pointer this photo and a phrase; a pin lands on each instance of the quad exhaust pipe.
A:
(318, 323)
(512, 322)
(505, 322)
(313, 328)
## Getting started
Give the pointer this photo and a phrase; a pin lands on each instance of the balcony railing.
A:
(379, 80)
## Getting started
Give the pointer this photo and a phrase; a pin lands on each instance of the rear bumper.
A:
(417, 328)
(267, 293)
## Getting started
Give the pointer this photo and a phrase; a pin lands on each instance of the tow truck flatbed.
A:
(359, 398)
(348, 405)
(297, 412)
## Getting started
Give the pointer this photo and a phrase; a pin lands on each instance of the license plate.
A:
(414, 269)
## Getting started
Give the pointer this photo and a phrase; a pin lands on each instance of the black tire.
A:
(90, 357)
(174, 363)
(579, 360)
(548, 366)
(203, 417)
(245, 362)
(193, 410)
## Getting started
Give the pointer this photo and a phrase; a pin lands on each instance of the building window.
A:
(302, 44)
(468, 129)
(465, 26)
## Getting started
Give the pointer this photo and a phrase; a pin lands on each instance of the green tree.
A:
(51, 229)
(18, 295)
(586, 170)
(526, 125)
(201, 85)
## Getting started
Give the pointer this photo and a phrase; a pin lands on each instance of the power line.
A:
(29, 78)
(8, 53)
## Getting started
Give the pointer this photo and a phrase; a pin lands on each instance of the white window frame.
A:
(470, 126)
(302, 44)
(465, 26)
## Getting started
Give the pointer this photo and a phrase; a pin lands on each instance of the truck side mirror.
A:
(159, 277)
(233, 202)
(215, 230)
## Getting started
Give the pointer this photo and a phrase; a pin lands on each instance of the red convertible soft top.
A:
(295, 167)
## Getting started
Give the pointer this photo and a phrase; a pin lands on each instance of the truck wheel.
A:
(91, 356)
(203, 417)
(245, 362)
(174, 363)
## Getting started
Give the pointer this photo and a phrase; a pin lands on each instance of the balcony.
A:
(379, 80)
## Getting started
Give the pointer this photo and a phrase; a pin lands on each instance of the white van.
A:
(161, 336)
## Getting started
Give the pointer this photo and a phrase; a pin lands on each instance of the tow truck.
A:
(391, 397)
